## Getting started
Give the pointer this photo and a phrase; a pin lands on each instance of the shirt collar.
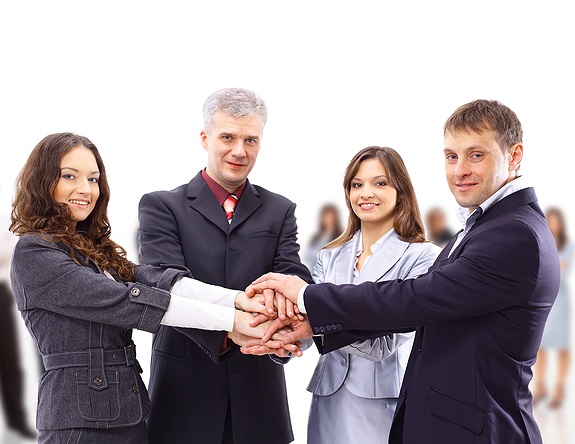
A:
(375, 246)
(220, 192)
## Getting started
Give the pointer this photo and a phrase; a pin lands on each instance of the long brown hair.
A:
(35, 211)
(407, 221)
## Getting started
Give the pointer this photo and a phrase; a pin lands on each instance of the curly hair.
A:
(35, 211)
(407, 222)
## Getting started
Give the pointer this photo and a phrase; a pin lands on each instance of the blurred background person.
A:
(329, 228)
(556, 333)
(438, 230)
(11, 373)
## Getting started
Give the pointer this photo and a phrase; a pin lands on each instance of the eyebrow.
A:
(74, 169)
(381, 176)
(226, 133)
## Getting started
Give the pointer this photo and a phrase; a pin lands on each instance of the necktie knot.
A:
(230, 206)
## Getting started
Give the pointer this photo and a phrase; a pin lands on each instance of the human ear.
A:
(516, 154)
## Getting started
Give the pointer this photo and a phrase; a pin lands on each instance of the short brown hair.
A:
(484, 115)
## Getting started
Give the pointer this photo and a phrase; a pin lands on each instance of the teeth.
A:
(79, 202)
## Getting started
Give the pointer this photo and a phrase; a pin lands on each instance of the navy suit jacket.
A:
(479, 315)
(190, 384)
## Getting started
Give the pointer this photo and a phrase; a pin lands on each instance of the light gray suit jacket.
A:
(378, 364)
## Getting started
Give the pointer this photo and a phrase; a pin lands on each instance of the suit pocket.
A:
(457, 411)
(98, 405)
(264, 235)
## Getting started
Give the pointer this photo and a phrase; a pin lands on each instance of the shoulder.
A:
(268, 196)
(425, 248)
(164, 195)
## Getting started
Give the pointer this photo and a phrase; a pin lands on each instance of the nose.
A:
(366, 192)
(461, 168)
(84, 187)
(238, 149)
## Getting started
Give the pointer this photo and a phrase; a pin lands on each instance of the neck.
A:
(370, 234)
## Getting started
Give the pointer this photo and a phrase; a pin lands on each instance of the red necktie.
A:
(229, 206)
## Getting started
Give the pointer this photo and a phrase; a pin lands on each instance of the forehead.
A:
(246, 125)
(464, 139)
(371, 167)
(79, 157)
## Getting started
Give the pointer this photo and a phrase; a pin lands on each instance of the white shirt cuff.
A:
(189, 313)
(194, 289)
(300, 302)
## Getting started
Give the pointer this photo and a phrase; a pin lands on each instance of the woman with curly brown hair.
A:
(80, 298)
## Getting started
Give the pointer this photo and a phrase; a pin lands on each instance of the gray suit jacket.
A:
(82, 323)
(373, 368)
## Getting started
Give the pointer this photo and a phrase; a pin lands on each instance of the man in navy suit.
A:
(202, 389)
(479, 312)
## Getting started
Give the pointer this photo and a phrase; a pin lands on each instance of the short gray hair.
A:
(235, 102)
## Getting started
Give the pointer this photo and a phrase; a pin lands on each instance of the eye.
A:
(68, 176)
(477, 156)
(226, 137)
(381, 183)
(449, 157)
(355, 185)
(251, 141)
(94, 179)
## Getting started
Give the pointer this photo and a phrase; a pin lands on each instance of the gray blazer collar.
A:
(378, 265)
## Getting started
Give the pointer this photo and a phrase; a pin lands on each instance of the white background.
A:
(132, 76)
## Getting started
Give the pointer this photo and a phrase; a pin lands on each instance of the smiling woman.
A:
(78, 185)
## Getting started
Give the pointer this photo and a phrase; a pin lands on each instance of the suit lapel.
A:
(345, 261)
(247, 205)
(204, 202)
(383, 259)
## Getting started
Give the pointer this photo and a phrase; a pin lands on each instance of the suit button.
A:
(135, 291)
(135, 389)
(328, 327)
(338, 326)
(225, 364)
(97, 380)
(224, 388)
(322, 329)
(316, 329)
(343, 362)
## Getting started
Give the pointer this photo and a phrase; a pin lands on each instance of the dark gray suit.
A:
(82, 322)
(191, 386)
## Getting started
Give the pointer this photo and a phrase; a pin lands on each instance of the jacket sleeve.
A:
(481, 280)
(45, 277)
(384, 346)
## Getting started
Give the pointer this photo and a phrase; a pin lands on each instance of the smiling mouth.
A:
(367, 206)
(464, 186)
(82, 203)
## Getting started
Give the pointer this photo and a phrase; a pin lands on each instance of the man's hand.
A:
(273, 286)
(299, 330)
(287, 286)
(252, 304)
(245, 335)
